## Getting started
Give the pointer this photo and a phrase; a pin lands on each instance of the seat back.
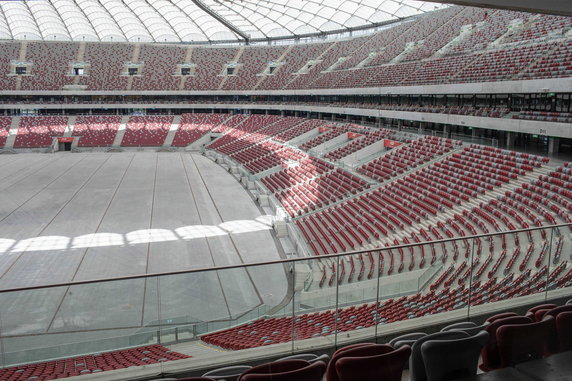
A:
(459, 326)
(503, 315)
(229, 373)
(473, 330)
(312, 372)
(452, 359)
(387, 366)
(407, 339)
(279, 366)
(490, 352)
(564, 330)
(354, 350)
(523, 342)
(416, 364)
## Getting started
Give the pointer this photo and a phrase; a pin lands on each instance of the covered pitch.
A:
(88, 216)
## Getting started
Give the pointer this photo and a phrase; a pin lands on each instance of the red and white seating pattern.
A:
(302, 128)
(407, 157)
(51, 65)
(8, 52)
(39, 131)
(5, 123)
(90, 364)
(488, 30)
(295, 59)
(557, 64)
(147, 131)
(159, 67)
(502, 65)
(448, 30)
(194, 126)
(106, 64)
(211, 63)
(254, 60)
(96, 130)
(541, 26)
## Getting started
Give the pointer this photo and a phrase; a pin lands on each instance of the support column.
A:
(553, 145)
(510, 139)
(446, 130)
(399, 124)
(333, 117)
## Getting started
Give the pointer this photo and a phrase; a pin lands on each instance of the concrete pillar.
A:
(474, 133)
(333, 117)
(510, 139)
(319, 115)
(399, 124)
(347, 118)
(553, 145)
(282, 113)
(296, 113)
(363, 120)
(446, 130)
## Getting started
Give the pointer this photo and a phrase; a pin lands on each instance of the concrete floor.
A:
(70, 217)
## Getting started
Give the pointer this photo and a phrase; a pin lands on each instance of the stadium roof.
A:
(195, 20)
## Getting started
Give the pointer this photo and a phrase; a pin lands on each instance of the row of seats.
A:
(90, 364)
(272, 330)
(407, 157)
(359, 141)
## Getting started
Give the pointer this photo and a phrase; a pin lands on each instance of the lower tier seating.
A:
(90, 364)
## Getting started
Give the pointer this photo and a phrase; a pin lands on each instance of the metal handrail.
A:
(277, 262)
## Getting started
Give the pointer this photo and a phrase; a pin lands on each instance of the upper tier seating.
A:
(96, 130)
(210, 65)
(90, 364)
(8, 52)
(253, 61)
(106, 66)
(429, 49)
(51, 65)
(38, 131)
(146, 131)
(159, 67)
(5, 122)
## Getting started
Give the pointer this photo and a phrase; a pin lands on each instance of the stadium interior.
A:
(285, 190)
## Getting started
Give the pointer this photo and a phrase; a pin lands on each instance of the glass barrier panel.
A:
(232, 310)
(58, 322)
(315, 302)
(559, 277)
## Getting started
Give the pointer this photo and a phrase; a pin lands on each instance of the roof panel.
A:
(186, 21)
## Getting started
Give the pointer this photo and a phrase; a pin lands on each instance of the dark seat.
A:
(503, 315)
(459, 326)
(310, 357)
(564, 331)
(416, 364)
(276, 367)
(447, 360)
(354, 350)
(407, 339)
(229, 373)
(490, 352)
(384, 366)
(523, 342)
(471, 331)
(553, 345)
(311, 372)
